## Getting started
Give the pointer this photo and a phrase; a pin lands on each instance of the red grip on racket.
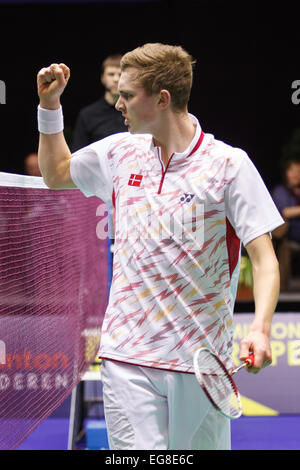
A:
(250, 360)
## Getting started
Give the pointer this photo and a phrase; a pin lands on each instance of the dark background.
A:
(247, 58)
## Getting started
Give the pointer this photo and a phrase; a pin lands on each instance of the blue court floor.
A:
(266, 433)
(248, 433)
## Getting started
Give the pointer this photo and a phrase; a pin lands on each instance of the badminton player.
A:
(184, 202)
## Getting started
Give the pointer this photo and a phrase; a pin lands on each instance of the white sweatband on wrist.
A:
(50, 121)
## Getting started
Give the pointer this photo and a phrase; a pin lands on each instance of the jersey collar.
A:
(193, 146)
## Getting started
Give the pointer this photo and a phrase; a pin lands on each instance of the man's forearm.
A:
(54, 155)
(266, 290)
(266, 282)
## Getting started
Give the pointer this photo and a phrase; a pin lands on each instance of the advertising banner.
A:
(275, 389)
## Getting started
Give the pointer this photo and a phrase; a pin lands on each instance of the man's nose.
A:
(118, 104)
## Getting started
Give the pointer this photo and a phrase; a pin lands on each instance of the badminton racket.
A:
(217, 382)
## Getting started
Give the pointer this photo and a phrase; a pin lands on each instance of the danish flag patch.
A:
(135, 180)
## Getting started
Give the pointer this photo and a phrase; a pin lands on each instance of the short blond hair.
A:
(161, 66)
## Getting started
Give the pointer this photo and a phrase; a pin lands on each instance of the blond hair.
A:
(160, 66)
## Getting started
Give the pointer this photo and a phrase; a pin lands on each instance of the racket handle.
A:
(250, 360)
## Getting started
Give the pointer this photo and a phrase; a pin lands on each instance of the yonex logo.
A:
(187, 197)
(135, 180)
(2, 92)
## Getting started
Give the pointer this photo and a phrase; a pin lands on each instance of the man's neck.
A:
(174, 135)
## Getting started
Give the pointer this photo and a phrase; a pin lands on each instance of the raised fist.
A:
(51, 82)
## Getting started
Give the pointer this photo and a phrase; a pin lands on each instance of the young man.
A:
(101, 119)
(184, 201)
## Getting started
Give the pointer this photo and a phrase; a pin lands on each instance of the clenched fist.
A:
(51, 82)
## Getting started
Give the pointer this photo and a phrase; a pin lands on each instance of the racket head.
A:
(217, 383)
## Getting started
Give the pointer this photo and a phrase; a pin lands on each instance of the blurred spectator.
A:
(287, 237)
(101, 119)
(31, 166)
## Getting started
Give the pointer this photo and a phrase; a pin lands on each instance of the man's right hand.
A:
(51, 82)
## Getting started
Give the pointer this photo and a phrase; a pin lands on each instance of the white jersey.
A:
(178, 235)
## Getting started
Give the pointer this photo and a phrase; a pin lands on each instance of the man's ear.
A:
(164, 99)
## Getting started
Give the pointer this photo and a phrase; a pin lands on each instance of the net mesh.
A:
(53, 294)
(217, 384)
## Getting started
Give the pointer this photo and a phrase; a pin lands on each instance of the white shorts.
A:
(152, 409)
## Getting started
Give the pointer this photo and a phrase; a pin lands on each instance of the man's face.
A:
(293, 175)
(138, 108)
(110, 79)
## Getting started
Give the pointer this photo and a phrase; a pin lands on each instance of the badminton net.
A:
(53, 294)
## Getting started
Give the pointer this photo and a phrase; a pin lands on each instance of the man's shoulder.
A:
(122, 141)
(222, 150)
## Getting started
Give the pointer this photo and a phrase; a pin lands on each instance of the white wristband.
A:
(50, 121)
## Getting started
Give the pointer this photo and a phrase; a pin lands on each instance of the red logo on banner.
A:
(135, 180)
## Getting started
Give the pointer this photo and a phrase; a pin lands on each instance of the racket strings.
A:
(217, 384)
